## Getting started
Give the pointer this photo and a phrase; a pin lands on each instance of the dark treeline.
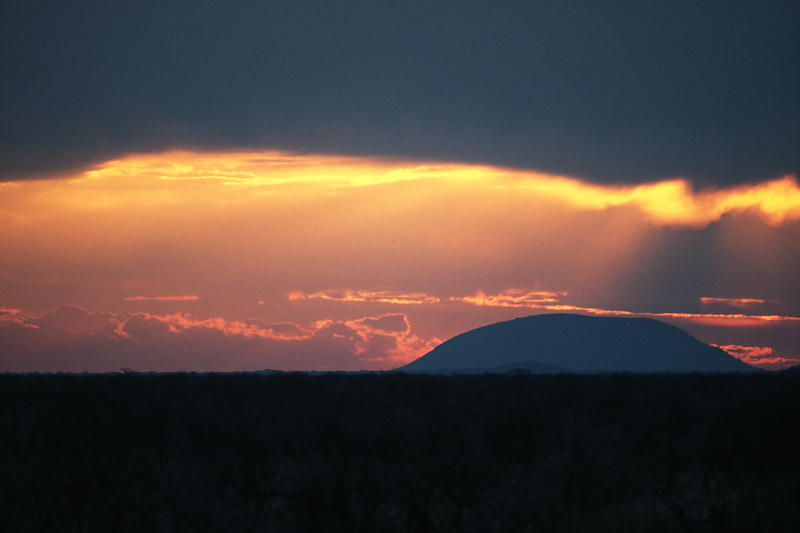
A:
(399, 452)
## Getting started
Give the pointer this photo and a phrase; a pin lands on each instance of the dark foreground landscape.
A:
(399, 452)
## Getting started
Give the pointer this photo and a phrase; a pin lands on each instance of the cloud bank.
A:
(71, 339)
(182, 298)
(178, 178)
(261, 239)
(349, 295)
(612, 92)
(550, 301)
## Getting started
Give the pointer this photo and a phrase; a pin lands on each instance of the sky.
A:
(322, 185)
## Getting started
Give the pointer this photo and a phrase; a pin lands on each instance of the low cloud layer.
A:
(740, 303)
(182, 298)
(550, 301)
(75, 340)
(349, 295)
(72, 339)
(180, 176)
(760, 356)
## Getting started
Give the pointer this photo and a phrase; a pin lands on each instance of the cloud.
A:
(742, 303)
(390, 323)
(14, 316)
(674, 202)
(73, 339)
(512, 298)
(174, 178)
(760, 356)
(365, 296)
(184, 298)
(385, 339)
(522, 298)
(181, 322)
(611, 91)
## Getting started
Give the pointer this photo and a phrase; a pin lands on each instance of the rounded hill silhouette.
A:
(576, 343)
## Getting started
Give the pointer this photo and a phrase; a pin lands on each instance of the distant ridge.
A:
(576, 343)
(534, 367)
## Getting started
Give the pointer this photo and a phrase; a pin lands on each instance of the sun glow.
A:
(673, 202)
(208, 241)
(185, 177)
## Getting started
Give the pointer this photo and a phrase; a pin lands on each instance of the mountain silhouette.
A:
(576, 343)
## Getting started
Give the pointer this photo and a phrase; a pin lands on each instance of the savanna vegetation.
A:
(400, 452)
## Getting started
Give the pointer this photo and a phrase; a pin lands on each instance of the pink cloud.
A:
(741, 303)
(183, 298)
(390, 323)
(760, 356)
(549, 301)
(365, 296)
(14, 316)
(73, 339)
(512, 298)
(282, 331)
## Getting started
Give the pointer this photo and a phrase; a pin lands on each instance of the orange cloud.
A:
(723, 319)
(749, 352)
(521, 298)
(184, 298)
(673, 202)
(349, 295)
(73, 339)
(389, 323)
(389, 333)
(272, 169)
(15, 316)
(179, 322)
(761, 356)
(514, 298)
(743, 303)
(191, 177)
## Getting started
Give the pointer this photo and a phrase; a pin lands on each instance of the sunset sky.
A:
(242, 186)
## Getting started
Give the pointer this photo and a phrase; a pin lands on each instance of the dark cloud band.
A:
(605, 92)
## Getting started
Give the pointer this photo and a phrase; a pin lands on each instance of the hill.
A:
(577, 343)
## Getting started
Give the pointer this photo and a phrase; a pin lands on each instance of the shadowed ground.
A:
(400, 452)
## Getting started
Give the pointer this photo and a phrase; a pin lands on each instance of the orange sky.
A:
(289, 257)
